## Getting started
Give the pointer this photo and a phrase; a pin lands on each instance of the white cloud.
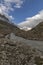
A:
(5, 9)
(31, 22)
(0, 11)
(11, 17)
(18, 3)
(6, 6)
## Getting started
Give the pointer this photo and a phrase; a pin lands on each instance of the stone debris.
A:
(17, 53)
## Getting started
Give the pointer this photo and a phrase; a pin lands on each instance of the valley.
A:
(19, 47)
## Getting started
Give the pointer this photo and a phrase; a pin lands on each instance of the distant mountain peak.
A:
(25, 28)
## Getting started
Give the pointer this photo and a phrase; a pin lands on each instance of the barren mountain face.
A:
(7, 27)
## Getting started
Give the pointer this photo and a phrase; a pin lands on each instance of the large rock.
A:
(10, 36)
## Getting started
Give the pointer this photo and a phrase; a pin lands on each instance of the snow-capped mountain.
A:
(29, 24)
(25, 28)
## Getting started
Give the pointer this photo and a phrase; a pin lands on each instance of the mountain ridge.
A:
(34, 34)
(37, 31)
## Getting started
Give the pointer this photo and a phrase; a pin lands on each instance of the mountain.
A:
(36, 33)
(15, 50)
(7, 27)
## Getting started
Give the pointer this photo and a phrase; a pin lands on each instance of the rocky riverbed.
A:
(17, 53)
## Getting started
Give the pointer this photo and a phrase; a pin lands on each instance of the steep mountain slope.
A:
(7, 27)
(37, 32)
(34, 34)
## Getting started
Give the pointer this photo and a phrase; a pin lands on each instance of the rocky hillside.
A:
(36, 33)
(17, 53)
(7, 27)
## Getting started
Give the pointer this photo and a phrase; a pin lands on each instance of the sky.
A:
(25, 13)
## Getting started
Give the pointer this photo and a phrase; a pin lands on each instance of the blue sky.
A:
(25, 13)
(29, 9)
